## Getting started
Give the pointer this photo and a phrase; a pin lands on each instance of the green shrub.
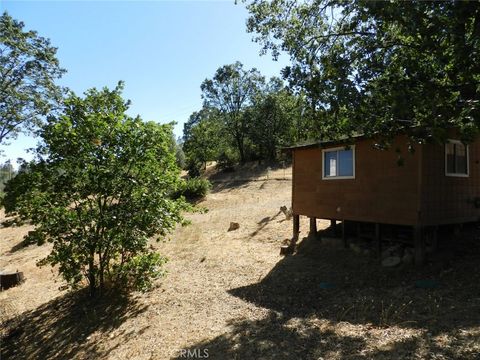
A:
(194, 168)
(140, 270)
(13, 190)
(100, 197)
(227, 160)
(27, 179)
(194, 188)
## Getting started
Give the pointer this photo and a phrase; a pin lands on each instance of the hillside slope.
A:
(230, 295)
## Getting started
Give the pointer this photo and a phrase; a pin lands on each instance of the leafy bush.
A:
(194, 168)
(180, 158)
(28, 178)
(227, 160)
(139, 271)
(194, 188)
(102, 193)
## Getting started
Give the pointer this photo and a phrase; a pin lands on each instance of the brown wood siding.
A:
(447, 199)
(381, 192)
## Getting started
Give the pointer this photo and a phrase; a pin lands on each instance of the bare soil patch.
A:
(230, 295)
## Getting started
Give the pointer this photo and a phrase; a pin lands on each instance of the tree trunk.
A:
(91, 280)
(91, 274)
(241, 149)
(101, 279)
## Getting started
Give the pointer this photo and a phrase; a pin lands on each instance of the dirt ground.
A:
(230, 295)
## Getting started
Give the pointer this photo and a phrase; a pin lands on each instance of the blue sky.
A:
(163, 50)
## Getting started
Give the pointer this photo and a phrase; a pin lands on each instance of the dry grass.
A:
(233, 295)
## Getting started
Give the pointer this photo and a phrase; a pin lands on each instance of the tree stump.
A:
(287, 250)
(10, 280)
(233, 226)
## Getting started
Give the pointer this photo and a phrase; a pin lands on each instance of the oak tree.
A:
(231, 91)
(28, 71)
(377, 67)
(105, 188)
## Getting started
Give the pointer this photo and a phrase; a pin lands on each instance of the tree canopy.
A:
(244, 117)
(101, 189)
(7, 172)
(204, 138)
(376, 67)
(275, 120)
(28, 70)
(231, 90)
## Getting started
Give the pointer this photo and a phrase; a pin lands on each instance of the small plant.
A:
(194, 189)
(140, 270)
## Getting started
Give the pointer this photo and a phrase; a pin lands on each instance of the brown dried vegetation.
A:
(232, 294)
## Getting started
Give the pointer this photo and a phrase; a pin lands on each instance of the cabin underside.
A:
(417, 237)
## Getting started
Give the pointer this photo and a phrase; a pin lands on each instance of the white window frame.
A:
(347, 147)
(467, 150)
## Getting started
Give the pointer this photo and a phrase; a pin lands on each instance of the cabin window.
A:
(339, 163)
(456, 158)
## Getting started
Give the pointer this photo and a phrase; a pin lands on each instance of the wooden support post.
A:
(296, 229)
(378, 240)
(313, 227)
(419, 242)
(333, 225)
(336, 232)
(435, 238)
(457, 231)
(344, 235)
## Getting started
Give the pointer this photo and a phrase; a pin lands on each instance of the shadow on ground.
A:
(67, 327)
(264, 222)
(313, 293)
(22, 245)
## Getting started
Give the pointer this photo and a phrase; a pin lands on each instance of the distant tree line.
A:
(244, 117)
(369, 67)
(7, 172)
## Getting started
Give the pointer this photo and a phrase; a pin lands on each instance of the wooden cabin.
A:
(358, 182)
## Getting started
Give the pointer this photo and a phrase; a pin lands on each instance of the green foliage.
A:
(204, 137)
(193, 188)
(275, 120)
(30, 176)
(194, 168)
(6, 173)
(180, 157)
(28, 68)
(140, 270)
(104, 192)
(227, 160)
(243, 119)
(376, 67)
(176, 148)
(230, 91)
